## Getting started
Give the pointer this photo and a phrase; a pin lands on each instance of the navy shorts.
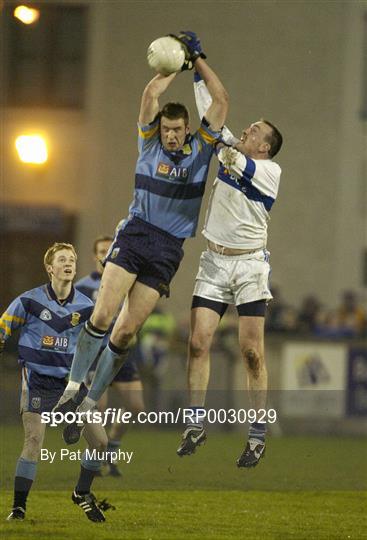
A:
(128, 373)
(151, 253)
(40, 393)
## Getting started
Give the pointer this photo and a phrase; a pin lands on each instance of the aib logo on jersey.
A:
(171, 172)
(55, 343)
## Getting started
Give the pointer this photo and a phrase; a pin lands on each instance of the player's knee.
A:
(102, 318)
(253, 360)
(32, 444)
(136, 408)
(100, 443)
(199, 346)
(124, 336)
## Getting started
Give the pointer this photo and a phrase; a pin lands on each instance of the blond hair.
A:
(51, 252)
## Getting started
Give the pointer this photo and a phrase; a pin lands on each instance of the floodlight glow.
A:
(31, 149)
(26, 15)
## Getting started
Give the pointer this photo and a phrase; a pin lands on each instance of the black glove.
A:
(192, 46)
(187, 65)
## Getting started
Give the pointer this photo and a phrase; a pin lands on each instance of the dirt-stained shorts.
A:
(237, 279)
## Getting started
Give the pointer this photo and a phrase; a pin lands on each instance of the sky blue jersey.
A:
(89, 285)
(48, 330)
(169, 186)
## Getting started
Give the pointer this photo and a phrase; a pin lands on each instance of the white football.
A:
(166, 55)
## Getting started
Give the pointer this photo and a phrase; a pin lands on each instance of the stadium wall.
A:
(298, 64)
(301, 80)
(315, 386)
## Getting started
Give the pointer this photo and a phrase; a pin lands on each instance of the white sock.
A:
(87, 404)
(72, 387)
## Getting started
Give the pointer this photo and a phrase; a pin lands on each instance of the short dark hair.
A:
(103, 238)
(174, 110)
(275, 139)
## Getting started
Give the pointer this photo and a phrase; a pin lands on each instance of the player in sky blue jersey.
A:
(170, 177)
(89, 285)
(50, 318)
(127, 381)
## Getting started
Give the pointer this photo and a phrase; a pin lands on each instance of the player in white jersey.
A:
(234, 270)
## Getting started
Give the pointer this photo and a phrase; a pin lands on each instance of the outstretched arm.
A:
(217, 111)
(149, 107)
(203, 101)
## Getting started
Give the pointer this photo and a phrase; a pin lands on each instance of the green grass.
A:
(198, 515)
(304, 488)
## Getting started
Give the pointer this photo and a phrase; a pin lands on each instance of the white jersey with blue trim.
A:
(242, 194)
(240, 202)
(48, 329)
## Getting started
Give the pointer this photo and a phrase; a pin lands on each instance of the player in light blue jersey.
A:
(127, 381)
(50, 318)
(170, 178)
(89, 285)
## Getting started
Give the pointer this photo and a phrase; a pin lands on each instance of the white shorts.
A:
(235, 279)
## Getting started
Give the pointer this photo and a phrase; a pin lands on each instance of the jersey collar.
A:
(52, 295)
(178, 156)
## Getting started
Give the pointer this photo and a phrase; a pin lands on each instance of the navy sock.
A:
(196, 419)
(88, 470)
(257, 431)
(85, 480)
(22, 487)
(25, 473)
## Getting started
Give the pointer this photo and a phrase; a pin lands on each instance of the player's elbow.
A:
(220, 96)
(224, 98)
(150, 91)
(221, 107)
(153, 89)
(100, 444)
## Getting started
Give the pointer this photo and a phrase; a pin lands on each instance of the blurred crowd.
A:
(163, 339)
(312, 317)
(162, 336)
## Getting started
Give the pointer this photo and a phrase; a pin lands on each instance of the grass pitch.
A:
(197, 515)
(305, 488)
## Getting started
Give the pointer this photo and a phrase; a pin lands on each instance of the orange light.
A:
(32, 149)
(26, 15)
